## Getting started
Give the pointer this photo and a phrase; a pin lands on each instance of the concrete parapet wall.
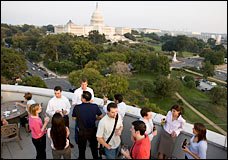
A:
(217, 143)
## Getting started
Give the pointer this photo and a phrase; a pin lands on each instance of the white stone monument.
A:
(174, 57)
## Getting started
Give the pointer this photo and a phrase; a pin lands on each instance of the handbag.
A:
(101, 149)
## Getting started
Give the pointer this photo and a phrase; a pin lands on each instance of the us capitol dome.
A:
(97, 18)
(96, 23)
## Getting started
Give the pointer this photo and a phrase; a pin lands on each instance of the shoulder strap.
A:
(109, 138)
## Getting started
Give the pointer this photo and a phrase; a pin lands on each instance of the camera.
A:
(184, 143)
(154, 128)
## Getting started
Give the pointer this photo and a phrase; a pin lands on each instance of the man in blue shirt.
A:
(86, 114)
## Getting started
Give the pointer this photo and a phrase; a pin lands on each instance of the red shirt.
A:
(141, 149)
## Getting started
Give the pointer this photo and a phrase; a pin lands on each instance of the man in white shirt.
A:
(59, 104)
(105, 128)
(118, 99)
(76, 100)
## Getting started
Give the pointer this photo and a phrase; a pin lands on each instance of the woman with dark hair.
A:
(174, 124)
(58, 134)
(198, 143)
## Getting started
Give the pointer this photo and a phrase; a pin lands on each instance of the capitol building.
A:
(96, 23)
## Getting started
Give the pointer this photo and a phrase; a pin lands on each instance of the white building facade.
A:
(96, 23)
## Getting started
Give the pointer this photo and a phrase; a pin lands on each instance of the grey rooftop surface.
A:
(11, 150)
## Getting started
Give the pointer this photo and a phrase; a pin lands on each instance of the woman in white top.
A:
(58, 134)
(29, 102)
(146, 114)
(174, 124)
(198, 143)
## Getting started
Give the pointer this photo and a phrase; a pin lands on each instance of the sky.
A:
(188, 16)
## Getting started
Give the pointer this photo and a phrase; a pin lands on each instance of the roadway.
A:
(52, 80)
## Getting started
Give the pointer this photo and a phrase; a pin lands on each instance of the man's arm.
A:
(50, 111)
(101, 141)
(68, 106)
(99, 117)
(74, 117)
(74, 98)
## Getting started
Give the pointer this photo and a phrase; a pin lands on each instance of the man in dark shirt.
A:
(86, 115)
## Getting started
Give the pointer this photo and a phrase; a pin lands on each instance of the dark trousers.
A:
(40, 145)
(90, 135)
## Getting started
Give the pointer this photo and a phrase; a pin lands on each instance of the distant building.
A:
(148, 30)
(96, 23)
(219, 39)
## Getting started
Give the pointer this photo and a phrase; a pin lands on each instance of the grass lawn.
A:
(188, 54)
(198, 99)
(157, 47)
(201, 101)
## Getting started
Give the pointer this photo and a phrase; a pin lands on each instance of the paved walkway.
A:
(201, 115)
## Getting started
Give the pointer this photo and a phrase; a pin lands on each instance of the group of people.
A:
(109, 129)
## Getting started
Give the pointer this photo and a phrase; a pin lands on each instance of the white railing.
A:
(217, 143)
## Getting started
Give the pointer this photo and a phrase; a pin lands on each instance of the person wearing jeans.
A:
(110, 153)
(105, 128)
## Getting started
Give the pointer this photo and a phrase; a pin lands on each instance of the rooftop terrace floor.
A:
(11, 150)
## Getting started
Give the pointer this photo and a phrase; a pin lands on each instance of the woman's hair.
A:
(201, 130)
(33, 108)
(58, 131)
(28, 96)
(144, 111)
(177, 108)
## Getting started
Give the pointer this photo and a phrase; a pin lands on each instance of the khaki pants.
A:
(66, 153)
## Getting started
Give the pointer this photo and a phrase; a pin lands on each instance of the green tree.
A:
(155, 108)
(34, 56)
(135, 97)
(129, 36)
(207, 70)
(91, 74)
(188, 78)
(99, 65)
(13, 65)
(33, 36)
(191, 84)
(34, 81)
(165, 87)
(161, 65)
(65, 47)
(19, 41)
(48, 45)
(218, 95)
(211, 42)
(140, 61)
(134, 32)
(111, 85)
(112, 57)
(82, 53)
(146, 87)
(96, 38)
